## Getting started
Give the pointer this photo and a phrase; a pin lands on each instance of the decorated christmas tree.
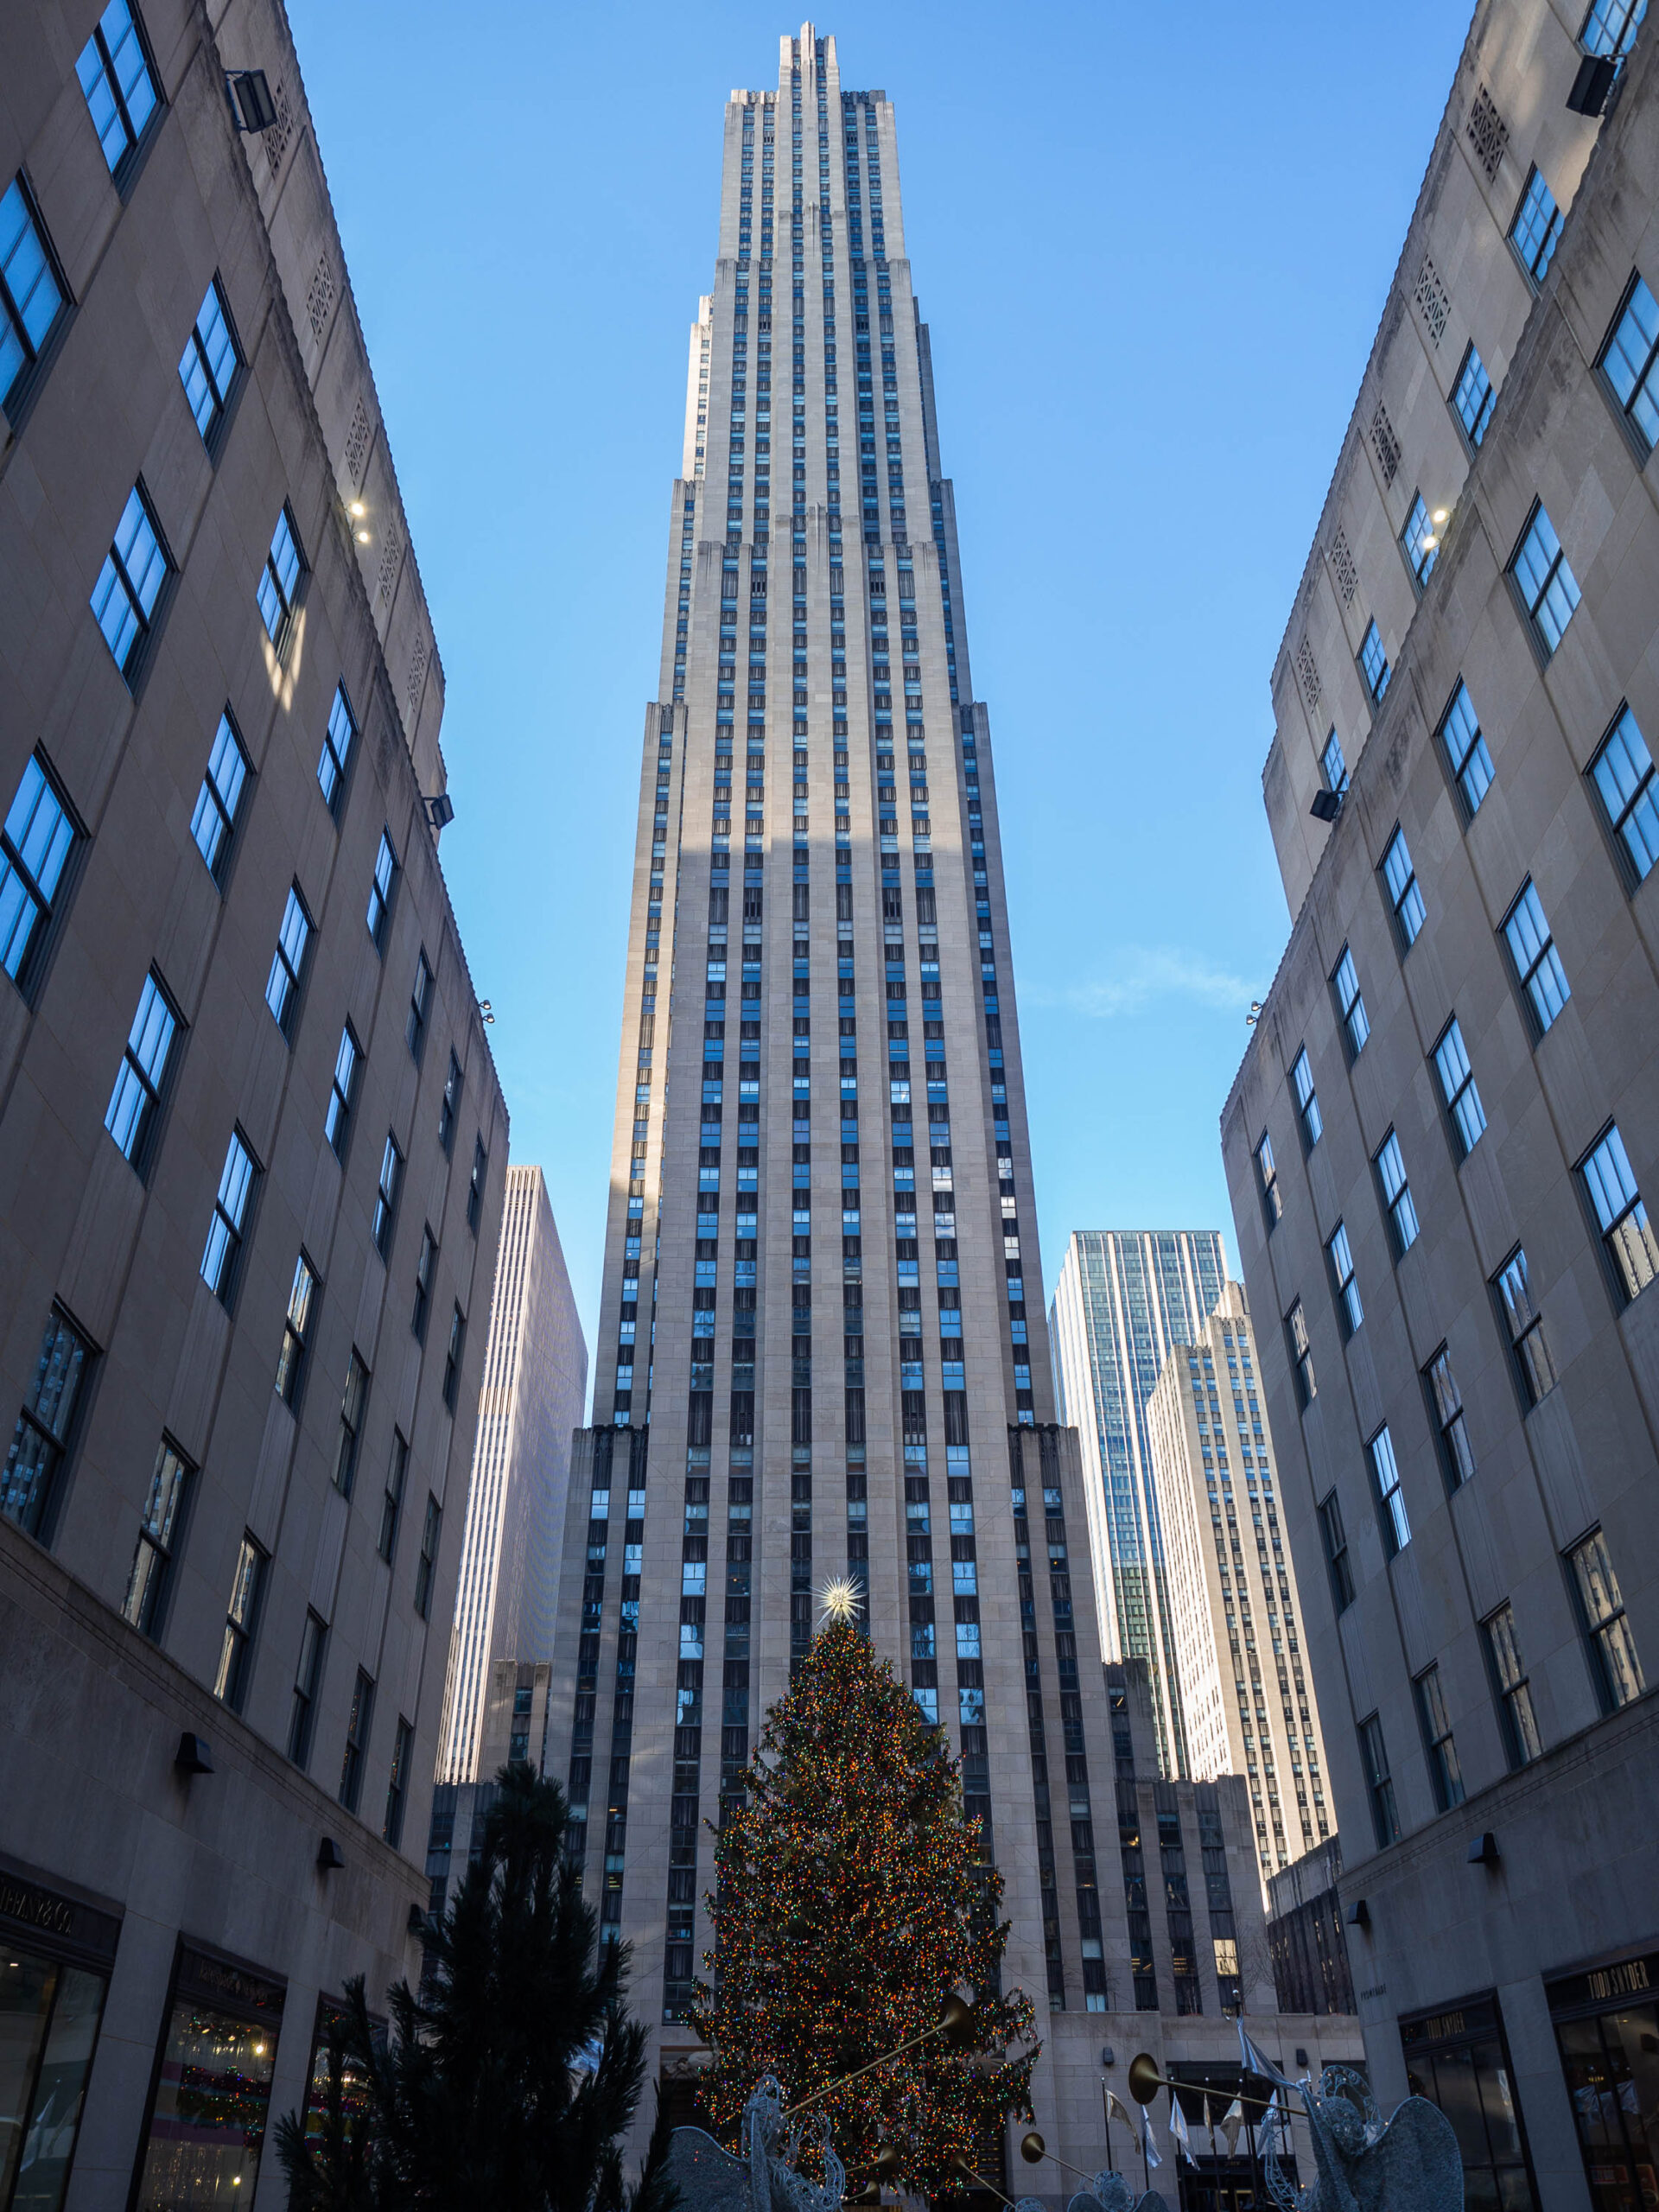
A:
(852, 1901)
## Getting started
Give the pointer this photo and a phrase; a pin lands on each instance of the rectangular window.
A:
(208, 365)
(352, 1405)
(1301, 1354)
(1334, 766)
(1627, 359)
(1535, 1368)
(232, 1205)
(337, 1120)
(402, 1752)
(1611, 26)
(380, 891)
(308, 1682)
(1334, 1536)
(391, 1500)
(1374, 662)
(1623, 772)
(426, 1566)
(121, 91)
(1396, 1194)
(1607, 1631)
(279, 581)
(1405, 898)
(1344, 981)
(1267, 1176)
(1307, 1101)
(213, 823)
(1473, 398)
(130, 584)
(419, 1001)
(1537, 964)
(1521, 1742)
(241, 1619)
(1465, 751)
(385, 1197)
(1446, 1408)
(158, 1532)
(1443, 1770)
(296, 1328)
(136, 1103)
(35, 849)
(452, 1358)
(357, 1742)
(425, 1269)
(335, 758)
(287, 963)
(1458, 1090)
(1374, 1759)
(475, 1187)
(1349, 1307)
(31, 296)
(45, 1431)
(1391, 1499)
(1545, 586)
(1419, 543)
(450, 1105)
(1537, 229)
(1626, 1237)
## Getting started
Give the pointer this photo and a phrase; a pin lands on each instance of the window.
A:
(385, 1197)
(391, 1500)
(425, 1269)
(120, 86)
(1473, 397)
(427, 1565)
(357, 1742)
(296, 1327)
(1443, 1770)
(279, 581)
(1627, 359)
(1374, 662)
(136, 1101)
(450, 1106)
(475, 1186)
(1610, 26)
(241, 1619)
(1419, 543)
(1307, 1101)
(1626, 1237)
(1534, 1369)
(452, 1358)
(34, 848)
(1457, 1088)
(1521, 1742)
(1273, 1203)
(213, 823)
(1391, 1499)
(1344, 981)
(1544, 584)
(352, 1403)
(158, 1531)
(1349, 1307)
(1537, 964)
(380, 891)
(1301, 1354)
(224, 1231)
(307, 1680)
(1405, 899)
(287, 963)
(208, 365)
(338, 1119)
(336, 755)
(1465, 751)
(1537, 228)
(1623, 778)
(1396, 1194)
(130, 584)
(1607, 1631)
(1334, 766)
(402, 1751)
(31, 296)
(1445, 1407)
(420, 1000)
(1374, 1759)
(45, 1431)
(1334, 1537)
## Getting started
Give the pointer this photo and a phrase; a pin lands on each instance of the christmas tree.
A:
(852, 1900)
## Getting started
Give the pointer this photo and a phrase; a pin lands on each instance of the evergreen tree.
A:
(509, 2080)
(851, 1900)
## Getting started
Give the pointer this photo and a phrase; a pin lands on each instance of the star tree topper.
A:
(840, 1599)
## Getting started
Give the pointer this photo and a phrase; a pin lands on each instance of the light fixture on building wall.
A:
(1254, 1015)
(488, 1013)
(1483, 1851)
(330, 1857)
(250, 96)
(1593, 84)
(1326, 806)
(440, 810)
(194, 1755)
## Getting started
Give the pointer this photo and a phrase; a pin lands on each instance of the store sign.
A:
(1600, 1988)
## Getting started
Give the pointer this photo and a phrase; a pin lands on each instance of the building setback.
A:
(251, 1143)
(1439, 1141)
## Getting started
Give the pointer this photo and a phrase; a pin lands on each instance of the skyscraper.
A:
(1124, 1298)
(534, 1394)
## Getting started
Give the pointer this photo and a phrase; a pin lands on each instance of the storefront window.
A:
(1611, 2058)
(212, 2087)
(54, 1957)
(1457, 2060)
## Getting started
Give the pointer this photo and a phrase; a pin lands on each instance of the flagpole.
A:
(1215, 2159)
(1106, 2107)
(1145, 2169)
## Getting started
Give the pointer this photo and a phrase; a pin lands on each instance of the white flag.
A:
(1116, 2110)
(1257, 2062)
(1177, 2133)
(1147, 2142)
(1232, 2120)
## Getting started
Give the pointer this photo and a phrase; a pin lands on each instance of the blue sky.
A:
(1151, 245)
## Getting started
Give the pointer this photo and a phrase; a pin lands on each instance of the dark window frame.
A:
(308, 1687)
(160, 1542)
(216, 431)
(293, 1359)
(155, 1088)
(385, 1225)
(57, 1444)
(1333, 1537)
(134, 661)
(241, 1630)
(391, 1497)
(1456, 1466)
(211, 804)
(30, 379)
(235, 1232)
(359, 1726)
(338, 764)
(1642, 807)
(1439, 1750)
(51, 908)
(288, 597)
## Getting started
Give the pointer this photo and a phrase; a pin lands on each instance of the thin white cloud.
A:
(1144, 976)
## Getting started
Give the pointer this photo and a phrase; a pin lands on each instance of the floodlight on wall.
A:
(440, 810)
(416, 1920)
(1254, 1015)
(1359, 1914)
(330, 1858)
(1483, 1851)
(488, 1013)
(1326, 806)
(250, 95)
(193, 1756)
(1593, 84)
